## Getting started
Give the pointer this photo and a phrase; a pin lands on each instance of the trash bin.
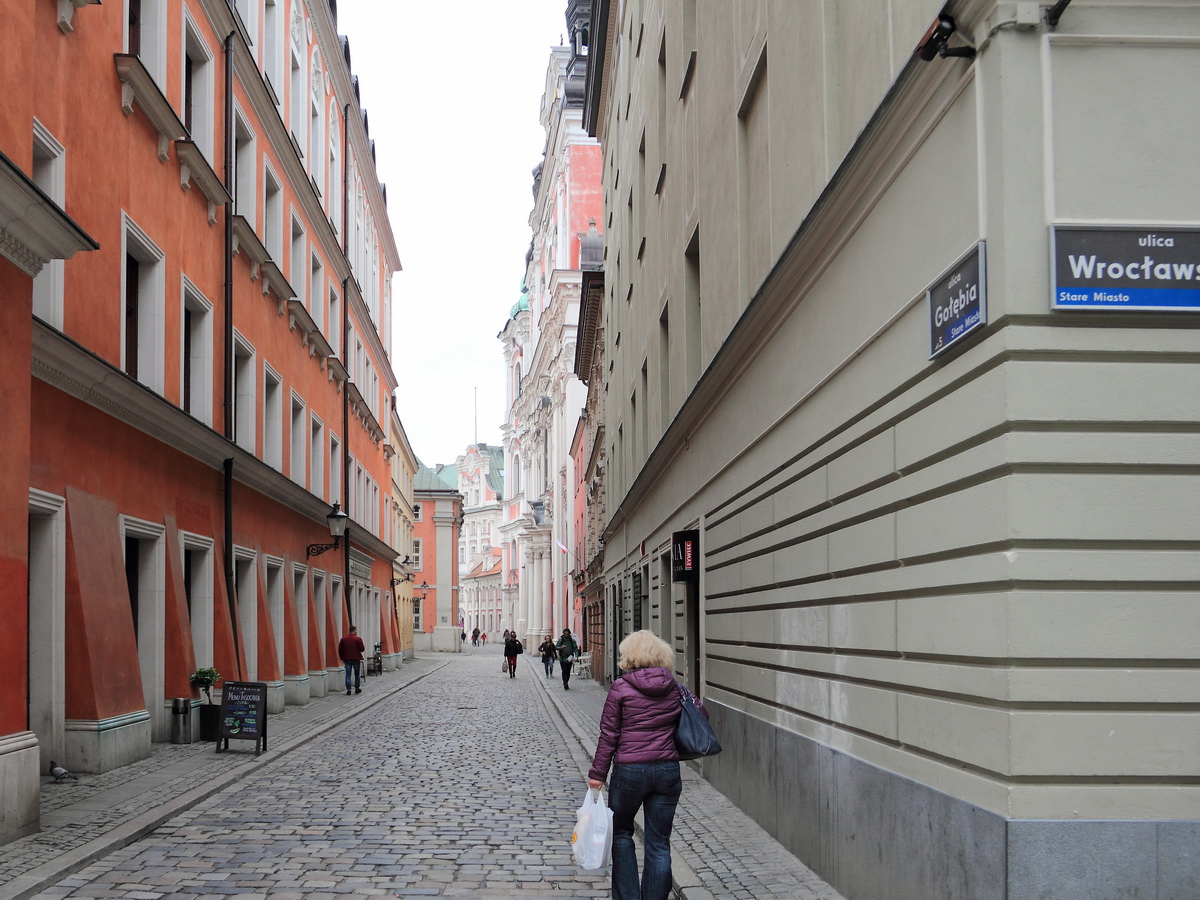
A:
(181, 720)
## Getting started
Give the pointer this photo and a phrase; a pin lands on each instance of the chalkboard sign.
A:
(243, 714)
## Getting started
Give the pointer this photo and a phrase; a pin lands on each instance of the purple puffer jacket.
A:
(638, 722)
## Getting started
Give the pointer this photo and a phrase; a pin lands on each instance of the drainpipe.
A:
(346, 355)
(230, 582)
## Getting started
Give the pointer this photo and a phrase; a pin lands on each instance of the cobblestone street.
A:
(460, 785)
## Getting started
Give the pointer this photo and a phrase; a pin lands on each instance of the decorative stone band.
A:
(110, 724)
(15, 743)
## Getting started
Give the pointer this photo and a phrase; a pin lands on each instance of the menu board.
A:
(243, 714)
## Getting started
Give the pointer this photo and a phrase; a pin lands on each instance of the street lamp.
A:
(337, 527)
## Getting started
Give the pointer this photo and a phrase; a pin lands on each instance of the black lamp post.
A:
(337, 528)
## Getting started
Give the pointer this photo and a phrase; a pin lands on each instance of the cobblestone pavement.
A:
(461, 785)
(84, 819)
(445, 778)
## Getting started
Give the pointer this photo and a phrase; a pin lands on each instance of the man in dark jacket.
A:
(350, 651)
(567, 651)
(512, 648)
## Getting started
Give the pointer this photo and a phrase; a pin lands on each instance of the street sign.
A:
(1101, 267)
(957, 302)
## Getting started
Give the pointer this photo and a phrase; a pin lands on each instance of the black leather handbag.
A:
(694, 737)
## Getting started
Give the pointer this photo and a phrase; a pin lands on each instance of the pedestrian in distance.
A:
(350, 652)
(512, 649)
(475, 637)
(548, 655)
(462, 638)
(637, 739)
(483, 637)
(568, 649)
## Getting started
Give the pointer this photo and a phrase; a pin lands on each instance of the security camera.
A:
(936, 39)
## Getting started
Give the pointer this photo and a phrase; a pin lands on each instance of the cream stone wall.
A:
(963, 584)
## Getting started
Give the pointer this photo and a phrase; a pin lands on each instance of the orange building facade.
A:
(196, 288)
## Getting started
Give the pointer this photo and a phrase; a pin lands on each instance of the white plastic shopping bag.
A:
(591, 842)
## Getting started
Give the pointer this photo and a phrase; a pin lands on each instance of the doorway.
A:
(46, 684)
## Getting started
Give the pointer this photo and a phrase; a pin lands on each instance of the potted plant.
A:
(210, 713)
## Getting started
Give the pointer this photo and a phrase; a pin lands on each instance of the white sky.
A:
(453, 92)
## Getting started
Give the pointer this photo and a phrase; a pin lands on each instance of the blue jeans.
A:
(352, 665)
(655, 786)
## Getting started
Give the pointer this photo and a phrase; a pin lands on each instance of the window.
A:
(317, 291)
(146, 37)
(247, 10)
(244, 180)
(335, 467)
(417, 614)
(272, 214)
(333, 203)
(244, 393)
(272, 61)
(198, 91)
(298, 119)
(275, 605)
(416, 554)
(49, 174)
(145, 303)
(196, 354)
(246, 588)
(299, 261)
(198, 569)
(298, 470)
(316, 457)
(416, 512)
(272, 418)
(334, 332)
(316, 134)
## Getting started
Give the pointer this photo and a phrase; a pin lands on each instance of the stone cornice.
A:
(33, 230)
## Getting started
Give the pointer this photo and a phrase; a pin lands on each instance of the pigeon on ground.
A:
(59, 773)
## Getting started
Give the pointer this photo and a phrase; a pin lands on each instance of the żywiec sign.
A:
(1098, 267)
(685, 556)
(957, 302)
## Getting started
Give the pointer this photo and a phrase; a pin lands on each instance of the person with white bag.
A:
(637, 739)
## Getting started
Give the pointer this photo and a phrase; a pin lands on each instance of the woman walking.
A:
(637, 738)
(512, 648)
(548, 653)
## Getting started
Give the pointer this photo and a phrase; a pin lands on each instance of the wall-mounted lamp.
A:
(337, 527)
(423, 587)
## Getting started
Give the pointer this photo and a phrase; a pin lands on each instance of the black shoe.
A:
(358, 690)
(347, 692)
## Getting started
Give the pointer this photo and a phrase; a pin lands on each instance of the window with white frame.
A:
(416, 554)
(298, 120)
(245, 573)
(299, 264)
(416, 512)
(316, 133)
(49, 174)
(248, 11)
(272, 410)
(272, 214)
(244, 393)
(335, 467)
(333, 197)
(143, 289)
(245, 169)
(272, 61)
(198, 568)
(317, 291)
(146, 36)
(298, 470)
(199, 96)
(333, 333)
(316, 457)
(196, 354)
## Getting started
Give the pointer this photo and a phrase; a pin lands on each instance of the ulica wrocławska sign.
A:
(1099, 267)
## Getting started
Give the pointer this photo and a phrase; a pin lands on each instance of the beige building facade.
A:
(865, 333)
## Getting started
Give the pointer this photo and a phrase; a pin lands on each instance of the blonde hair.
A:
(645, 649)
